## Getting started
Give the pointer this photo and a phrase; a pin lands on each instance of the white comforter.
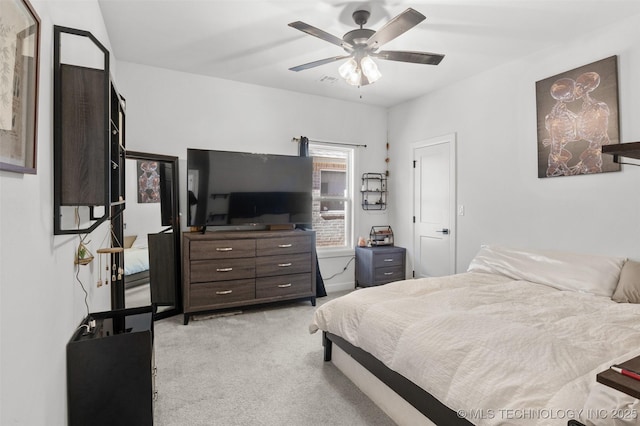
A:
(505, 351)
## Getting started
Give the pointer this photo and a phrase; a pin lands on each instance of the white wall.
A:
(41, 303)
(170, 111)
(494, 117)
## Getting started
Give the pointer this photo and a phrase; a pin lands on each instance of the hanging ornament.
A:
(83, 255)
(114, 254)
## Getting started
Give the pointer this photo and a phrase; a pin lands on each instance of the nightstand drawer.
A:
(222, 269)
(222, 249)
(280, 265)
(383, 260)
(208, 294)
(386, 275)
(283, 285)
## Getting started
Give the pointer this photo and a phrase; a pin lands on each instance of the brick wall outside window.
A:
(330, 228)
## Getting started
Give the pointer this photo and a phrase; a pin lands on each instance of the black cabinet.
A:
(379, 265)
(110, 370)
(83, 159)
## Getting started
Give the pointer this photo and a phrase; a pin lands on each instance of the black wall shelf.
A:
(629, 150)
(374, 191)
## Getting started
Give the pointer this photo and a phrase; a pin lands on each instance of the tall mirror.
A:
(152, 233)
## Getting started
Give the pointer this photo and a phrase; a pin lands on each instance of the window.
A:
(333, 183)
(332, 195)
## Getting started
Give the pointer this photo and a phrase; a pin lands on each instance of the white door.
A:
(434, 207)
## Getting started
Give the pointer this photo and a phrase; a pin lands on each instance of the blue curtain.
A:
(303, 148)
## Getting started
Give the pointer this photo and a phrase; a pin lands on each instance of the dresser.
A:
(241, 268)
(379, 265)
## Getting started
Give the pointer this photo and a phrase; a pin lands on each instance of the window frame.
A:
(348, 198)
(333, 197)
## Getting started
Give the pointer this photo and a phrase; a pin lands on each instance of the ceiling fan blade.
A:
(323, 35)
(406, 56)
(395, 27)
(318, 63)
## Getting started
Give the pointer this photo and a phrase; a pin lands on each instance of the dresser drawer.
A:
(386, 275)
(222, 269)
(221, 249)
(283, 245)
(206, 294)
(383, 260)
(280, 265)
(284, 285)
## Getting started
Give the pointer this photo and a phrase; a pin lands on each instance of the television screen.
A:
(239, 190)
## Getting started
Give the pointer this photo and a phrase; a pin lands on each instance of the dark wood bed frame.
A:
(420, 399)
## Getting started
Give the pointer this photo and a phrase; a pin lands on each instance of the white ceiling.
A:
(249, 40)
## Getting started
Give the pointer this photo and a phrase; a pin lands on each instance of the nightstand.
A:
(379, 265)
(622, 383)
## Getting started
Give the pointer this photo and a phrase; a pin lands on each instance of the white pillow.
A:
(140, 242)
(565, 271)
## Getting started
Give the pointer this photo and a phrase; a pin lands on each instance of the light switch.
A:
(461, 210)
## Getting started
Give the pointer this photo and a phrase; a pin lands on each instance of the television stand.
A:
(241, 268)
(282, 227)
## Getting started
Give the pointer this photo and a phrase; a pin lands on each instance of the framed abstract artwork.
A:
(19, 67)
(578, 114)
(148, 182)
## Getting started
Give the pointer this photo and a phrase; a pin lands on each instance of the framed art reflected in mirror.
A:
(19, 66)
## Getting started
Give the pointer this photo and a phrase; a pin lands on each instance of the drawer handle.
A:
(388, 273)
(223, 292)
(284, 265)
(284, 285)
(224, 269)
(284, 245)
(388, 260)
(224, 248)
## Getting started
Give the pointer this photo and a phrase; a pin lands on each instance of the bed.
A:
(517, 339)
(136, 261)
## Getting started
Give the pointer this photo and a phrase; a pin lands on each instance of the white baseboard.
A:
(335, 287)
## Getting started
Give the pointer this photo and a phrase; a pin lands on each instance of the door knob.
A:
(443, 230)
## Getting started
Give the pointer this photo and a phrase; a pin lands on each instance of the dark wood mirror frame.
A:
(174, 227)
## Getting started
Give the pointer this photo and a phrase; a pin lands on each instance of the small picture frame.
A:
(19, 70)
(148, 182)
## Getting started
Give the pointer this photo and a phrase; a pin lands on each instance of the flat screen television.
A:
(239, 190)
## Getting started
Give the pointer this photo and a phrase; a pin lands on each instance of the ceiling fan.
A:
(363, 44)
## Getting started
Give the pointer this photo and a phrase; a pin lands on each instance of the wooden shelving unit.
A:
(89, 138)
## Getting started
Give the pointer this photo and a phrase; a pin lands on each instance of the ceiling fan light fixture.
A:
(362, 46)
(348, 68)
(354, 78)
(370, 69)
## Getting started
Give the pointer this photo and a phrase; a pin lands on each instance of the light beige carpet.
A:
(261, 367)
